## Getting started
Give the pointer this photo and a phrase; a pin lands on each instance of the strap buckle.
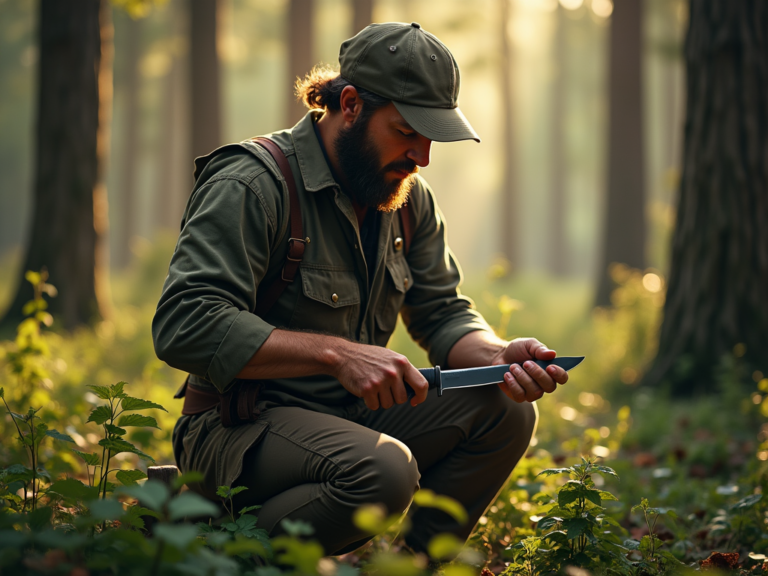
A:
(300, 255)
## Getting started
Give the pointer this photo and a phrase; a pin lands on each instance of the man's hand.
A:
(379, 376)
(530, 382)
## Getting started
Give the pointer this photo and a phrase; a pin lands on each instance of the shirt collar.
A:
(314, 167)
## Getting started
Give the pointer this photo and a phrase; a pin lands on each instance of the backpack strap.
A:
(296, 238)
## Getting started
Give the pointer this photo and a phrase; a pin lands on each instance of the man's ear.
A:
(351, 104)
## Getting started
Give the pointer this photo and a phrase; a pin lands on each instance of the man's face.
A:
(379, 156)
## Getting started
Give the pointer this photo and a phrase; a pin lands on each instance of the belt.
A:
(237, 405)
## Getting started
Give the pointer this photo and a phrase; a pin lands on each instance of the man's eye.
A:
(406, 133)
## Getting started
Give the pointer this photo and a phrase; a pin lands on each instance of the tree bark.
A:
(301, 16)
(362, 14)
(510, 218)
(716, 299)
(558, 246)
(205, 78)
(130, 144)
(625, 221)
(69, 218)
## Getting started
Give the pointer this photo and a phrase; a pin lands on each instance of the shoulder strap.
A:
(296, 239)
(406, 223)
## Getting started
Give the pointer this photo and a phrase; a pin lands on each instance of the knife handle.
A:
(433, 378)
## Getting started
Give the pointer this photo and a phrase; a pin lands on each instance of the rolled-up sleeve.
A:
(204, 323)
(436, 313)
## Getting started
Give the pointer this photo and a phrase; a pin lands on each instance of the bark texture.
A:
(362, 14)
(205, 78)
(718, 284)
(510, 219)
(70, 214)
(301, 39)
(557, 237)
(625, 222)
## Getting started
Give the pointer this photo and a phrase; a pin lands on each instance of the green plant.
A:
(654, 560)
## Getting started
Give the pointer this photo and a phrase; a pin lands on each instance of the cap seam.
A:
(408, 63)
(364, 52)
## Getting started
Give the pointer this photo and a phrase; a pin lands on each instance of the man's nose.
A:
(420, 153)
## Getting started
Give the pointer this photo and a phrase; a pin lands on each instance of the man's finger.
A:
(372, 401)
(513, 389)
(532, 390)
(416, 380)
(541, 376)
(558, 374)
(541, 352)
(398, 392)
(385, 398)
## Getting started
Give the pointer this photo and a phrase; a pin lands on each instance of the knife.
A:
(470, 377)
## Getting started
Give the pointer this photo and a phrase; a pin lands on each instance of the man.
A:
(331, 429)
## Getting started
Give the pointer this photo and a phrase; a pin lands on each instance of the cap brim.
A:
(438, 124)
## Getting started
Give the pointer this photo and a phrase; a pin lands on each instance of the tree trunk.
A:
(510, 219)
(625, 221)
(130, 144)
(559, 246)
(362, 14)
(205, 78)
(69, 218)
(301, 15)
(716, 300)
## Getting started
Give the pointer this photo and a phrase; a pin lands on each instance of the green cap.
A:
(415, 70)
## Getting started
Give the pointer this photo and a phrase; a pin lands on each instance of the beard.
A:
(358, 159)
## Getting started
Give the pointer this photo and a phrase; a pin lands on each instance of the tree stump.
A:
(165, 474)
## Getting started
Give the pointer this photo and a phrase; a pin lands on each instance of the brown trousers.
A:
(320, 468)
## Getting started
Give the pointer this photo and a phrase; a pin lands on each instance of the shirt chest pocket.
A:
(329, 301)
(398, 281)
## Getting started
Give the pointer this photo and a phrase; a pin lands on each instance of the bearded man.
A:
(324, 424)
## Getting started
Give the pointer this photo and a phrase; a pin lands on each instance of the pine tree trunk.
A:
(69, 218)
(718, 284)
(625, 222)
(301, 16)
(510, 219)
(205, 78)
(362, 14)
(557, 236)
(130, 144)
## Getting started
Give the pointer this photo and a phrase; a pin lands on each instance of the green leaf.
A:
(606, 470)
(593, 496)
(223, 491)
(428, 499)
(295, 528)
(130, 477)
(73, 489)
(568, 494)
(116, 390)
(553, 472)
(747, 502)
(248, 509)
(133, 516)
(40, 518)
(116, 430)
(444, 547)
(187, 478)
(59, 436)
(2, 392)
(100, 415)
(130, 403)
(178, 535)
(575, 527)
(118, 445)
(191, 505)
(100, 391)
(152, 493)
(137, 420)
(246, 546)
(106, 509)
(90, 459)
(607, 495)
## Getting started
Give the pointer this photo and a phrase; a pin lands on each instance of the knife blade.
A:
(483, 376)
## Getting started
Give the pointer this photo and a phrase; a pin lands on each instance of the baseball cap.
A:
(408, 65)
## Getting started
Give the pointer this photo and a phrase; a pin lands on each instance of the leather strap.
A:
(296, 238)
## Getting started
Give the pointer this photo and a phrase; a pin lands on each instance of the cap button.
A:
(415, 24)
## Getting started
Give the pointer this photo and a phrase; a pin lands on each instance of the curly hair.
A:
(322, 87)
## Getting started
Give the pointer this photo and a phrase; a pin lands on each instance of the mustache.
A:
(408, 166)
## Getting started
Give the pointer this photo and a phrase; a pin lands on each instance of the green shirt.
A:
(233, 243)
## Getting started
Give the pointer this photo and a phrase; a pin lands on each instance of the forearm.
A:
(287, 354)
(477, 348)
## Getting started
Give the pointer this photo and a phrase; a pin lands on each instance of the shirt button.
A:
(405, 282)
(335, 297)
(398, 243)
